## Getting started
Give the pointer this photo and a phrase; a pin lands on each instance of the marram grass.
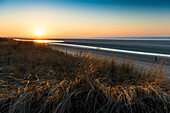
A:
(36, 79)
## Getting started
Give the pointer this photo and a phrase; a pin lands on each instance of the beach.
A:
(145, 61)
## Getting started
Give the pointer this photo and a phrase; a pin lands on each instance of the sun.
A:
(39, 32)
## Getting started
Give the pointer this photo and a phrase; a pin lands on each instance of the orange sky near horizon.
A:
(58, 22)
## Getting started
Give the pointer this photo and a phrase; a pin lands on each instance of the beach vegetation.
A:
(35, 78)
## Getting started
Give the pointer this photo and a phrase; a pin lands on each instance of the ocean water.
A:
(116, 38)
(101, 38)
(146, 49)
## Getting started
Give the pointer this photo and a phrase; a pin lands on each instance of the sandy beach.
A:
(143, 61)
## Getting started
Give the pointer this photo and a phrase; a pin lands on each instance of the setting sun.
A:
(39, 32)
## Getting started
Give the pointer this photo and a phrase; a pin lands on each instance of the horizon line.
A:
(94, 37)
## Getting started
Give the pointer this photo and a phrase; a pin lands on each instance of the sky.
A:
(84, 18)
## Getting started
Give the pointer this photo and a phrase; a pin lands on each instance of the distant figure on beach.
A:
(156, 58)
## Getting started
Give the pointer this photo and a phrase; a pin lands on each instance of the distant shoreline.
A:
(156, 47)
(95, 38)
(143, 60)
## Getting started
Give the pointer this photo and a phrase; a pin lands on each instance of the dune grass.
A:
(36, 79)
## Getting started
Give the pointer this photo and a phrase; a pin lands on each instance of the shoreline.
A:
(137, 61)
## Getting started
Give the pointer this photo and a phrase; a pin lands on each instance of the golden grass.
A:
(36, 79)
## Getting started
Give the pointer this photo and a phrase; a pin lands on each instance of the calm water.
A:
(121, 38)
(110, 38)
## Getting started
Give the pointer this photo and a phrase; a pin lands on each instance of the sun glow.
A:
(39, 32)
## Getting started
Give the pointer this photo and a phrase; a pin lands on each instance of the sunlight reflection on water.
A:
(41, 41)
(58, 42)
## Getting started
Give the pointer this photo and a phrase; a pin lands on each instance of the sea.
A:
(146, 46)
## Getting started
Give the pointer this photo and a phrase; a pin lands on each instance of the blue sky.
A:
(157, 4)
(85, 17)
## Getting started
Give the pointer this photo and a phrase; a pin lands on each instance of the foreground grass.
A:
(34, 78)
